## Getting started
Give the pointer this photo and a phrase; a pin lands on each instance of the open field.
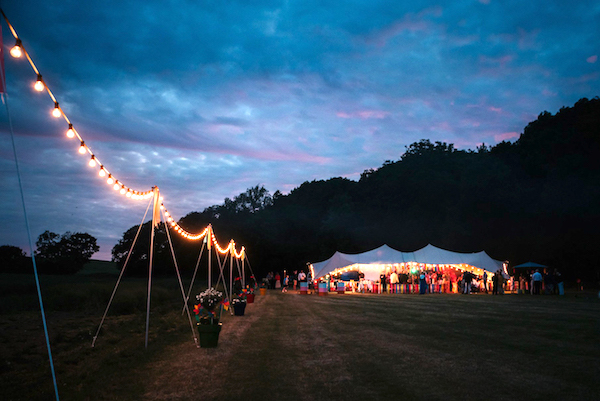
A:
(293, 347)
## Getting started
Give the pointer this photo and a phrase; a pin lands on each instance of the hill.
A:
(534, 199)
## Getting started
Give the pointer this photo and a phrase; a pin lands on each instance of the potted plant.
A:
(263, 287)
(249, 294)
(239, 304)
(208, 315)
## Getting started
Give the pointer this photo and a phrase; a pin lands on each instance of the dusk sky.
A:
(205, 99)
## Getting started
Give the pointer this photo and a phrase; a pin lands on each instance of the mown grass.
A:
(295, 347)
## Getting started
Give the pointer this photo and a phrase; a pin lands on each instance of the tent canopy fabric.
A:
(529, 265)
(385, 255)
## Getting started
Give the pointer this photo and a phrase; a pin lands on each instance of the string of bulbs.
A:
(18, 51)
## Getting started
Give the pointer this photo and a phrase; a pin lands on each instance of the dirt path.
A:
(298, 350)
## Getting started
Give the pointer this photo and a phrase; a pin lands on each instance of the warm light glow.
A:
(39, 85)
(70, 131)
(82, 148)
(123, 190)
(16, 51)
(110, 180)
(56, 110)
(102, 172)
(92, 162)
(116, 186)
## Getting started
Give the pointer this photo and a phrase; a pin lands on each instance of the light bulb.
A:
(92, 162)
(123, 190)
(70, 131)
(110, 180)
(39, 85)
(82, 147)
(56, 111)
(102, 172)
(128, 194)
(116, 186)
(16, 51)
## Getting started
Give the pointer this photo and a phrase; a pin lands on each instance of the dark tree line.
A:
(535, 199)
(54, 254)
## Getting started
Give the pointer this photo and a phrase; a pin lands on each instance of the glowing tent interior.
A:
(372, 263)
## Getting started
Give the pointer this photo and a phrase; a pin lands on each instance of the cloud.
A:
(207, 99)
(507, 136)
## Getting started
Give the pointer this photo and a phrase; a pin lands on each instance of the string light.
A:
(70, 131)
(56, 111)
(17, 50)
(39, 85)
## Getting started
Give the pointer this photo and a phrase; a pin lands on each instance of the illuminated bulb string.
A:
(17, 52)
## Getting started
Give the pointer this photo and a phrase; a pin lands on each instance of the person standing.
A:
(467, 279)
(537, 282)
(277, 281)
(495, 283)
(485, 283)
(422, 283)
(548, 282)
(286, 283)
(301, 276)
(382, 280)
(559, 282)
(394, 280)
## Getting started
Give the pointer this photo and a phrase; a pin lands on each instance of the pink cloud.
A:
(592, 59)
(506, 136)
(364, 114)
(410, 23)
(496, 109)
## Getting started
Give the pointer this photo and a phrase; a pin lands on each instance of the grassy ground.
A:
(295, 347)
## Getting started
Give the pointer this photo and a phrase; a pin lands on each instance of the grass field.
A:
(300, 347)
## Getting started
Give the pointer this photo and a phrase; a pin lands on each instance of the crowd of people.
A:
(538, 282)
(406, 280)
(287, 281)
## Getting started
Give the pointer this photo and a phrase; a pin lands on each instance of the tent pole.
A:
(210, 233)
(155, 217)
(231, 268)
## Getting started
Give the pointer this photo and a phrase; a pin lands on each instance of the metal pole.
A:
(231, 270)
(210, 233)
(155, 217)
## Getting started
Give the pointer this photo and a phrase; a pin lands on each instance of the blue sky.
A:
(208, 98)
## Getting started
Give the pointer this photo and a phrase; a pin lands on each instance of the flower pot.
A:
(209, 334)
(263, 291)
(250, 298)
(239, 308)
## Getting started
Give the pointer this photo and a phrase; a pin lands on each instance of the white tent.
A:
(373, 262)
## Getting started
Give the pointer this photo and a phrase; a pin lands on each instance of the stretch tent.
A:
(373, 262)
